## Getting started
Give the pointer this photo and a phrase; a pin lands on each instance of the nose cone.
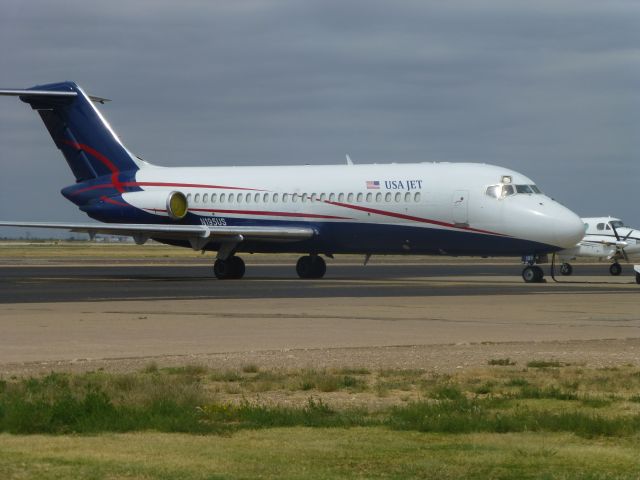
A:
(568, 227)
(539, 219)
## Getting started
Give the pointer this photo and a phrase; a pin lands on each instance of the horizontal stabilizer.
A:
(47, 93)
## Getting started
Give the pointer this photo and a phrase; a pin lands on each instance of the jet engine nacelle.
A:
(159, 202)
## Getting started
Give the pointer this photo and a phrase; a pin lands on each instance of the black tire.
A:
(566, 269)
(615, 269)
(539, 273)
(222, 269)
(231, 268)
(311, 266)
(638, 278)
(237, 267)
(529, 275)
(533, 274)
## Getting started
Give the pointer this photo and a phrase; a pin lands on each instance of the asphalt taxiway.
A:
(72, 283)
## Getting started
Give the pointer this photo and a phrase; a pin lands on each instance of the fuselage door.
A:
(460, 207)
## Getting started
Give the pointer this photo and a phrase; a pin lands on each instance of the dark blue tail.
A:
(88, 143)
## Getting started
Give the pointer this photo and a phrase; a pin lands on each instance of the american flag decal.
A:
(373, 184)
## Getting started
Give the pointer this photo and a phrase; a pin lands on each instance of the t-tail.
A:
(90, 146)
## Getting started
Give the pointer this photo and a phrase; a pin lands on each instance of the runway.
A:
(72, 283)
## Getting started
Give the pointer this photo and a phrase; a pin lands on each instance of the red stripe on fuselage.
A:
(410, 217)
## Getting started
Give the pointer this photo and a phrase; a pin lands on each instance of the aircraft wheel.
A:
(311, 266)
(532, 274)
(231, 268)
(638, 278)
(566, 269)
(615, 269)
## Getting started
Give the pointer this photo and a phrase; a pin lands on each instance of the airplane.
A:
(605, 237)
(419, 208)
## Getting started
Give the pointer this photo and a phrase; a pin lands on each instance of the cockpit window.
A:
(616, 223)
(494, 191)
(523, 189)
(508, 190)
(505, 190)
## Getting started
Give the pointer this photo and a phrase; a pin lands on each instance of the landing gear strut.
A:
(311, 266)
(231, 268)
(615, 269)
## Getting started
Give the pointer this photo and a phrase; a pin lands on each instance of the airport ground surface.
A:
(79, 307)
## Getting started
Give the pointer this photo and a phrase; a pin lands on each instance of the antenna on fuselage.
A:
(349, 161)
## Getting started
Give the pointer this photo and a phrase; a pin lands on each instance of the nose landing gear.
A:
(615, 269)
(533, 274)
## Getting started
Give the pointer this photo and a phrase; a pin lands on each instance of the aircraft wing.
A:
(198, 235)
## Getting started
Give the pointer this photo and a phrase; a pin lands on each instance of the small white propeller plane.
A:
(605, 238)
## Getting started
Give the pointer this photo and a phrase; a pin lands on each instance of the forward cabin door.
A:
(460, 208)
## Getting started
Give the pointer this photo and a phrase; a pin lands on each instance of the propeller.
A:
(621, 243)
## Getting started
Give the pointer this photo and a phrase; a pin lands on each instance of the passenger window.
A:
(341, 197)
(378, 197)
(360, 197)
(416, 197)
(239, 198)
(188, 197)
(387, 197)
(205, 198)
(294, 197)
(265, 198)
(197, 198)
(214, 197)
(350, 197)
(285, 197)
(222, 197)
(231, 198)
(313, 197)
(275, 198)
(332, 197)
(369, 197)
(407, 197)
(398, 197)
(600, 226)
(304, 197)
(247, 198)
(256, 198)
(323, 197)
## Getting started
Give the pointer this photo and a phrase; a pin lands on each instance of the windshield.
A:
(502, 191)
(616, 223)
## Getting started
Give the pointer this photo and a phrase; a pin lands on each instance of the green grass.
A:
(544, 364)
(189, 399)
(310, 453)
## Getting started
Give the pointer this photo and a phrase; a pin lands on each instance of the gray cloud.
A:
(548, 88)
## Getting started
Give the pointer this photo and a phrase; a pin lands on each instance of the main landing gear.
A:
(231, 268)
(311, 266)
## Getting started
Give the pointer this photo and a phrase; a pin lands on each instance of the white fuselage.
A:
(600, 241)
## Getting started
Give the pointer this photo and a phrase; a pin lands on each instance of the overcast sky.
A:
(548, 88)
